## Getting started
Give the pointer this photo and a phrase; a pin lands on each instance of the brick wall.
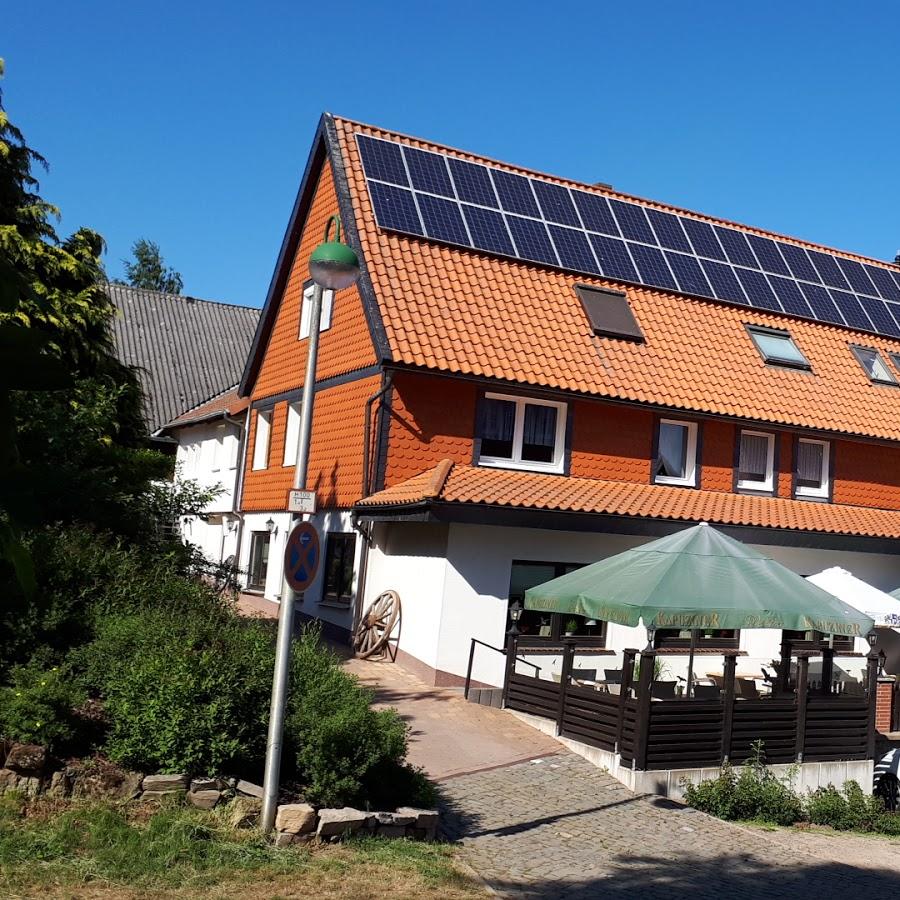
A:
(884, 705)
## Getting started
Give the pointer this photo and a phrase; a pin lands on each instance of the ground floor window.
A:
(707, 639)
(340, 553)
(552, 626)
(259, 560)
(817, 640)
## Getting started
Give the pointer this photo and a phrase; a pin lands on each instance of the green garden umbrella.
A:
(697, 578)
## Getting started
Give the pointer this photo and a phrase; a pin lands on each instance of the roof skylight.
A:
(873, 365)
(777, 347)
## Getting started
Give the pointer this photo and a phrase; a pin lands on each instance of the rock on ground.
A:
(295, 818)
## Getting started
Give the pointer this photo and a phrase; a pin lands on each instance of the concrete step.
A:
(486, 696)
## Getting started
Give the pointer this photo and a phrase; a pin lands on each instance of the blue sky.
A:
(189, 123)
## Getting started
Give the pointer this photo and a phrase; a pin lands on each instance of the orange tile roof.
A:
(226, 403)
(459, 484)
(466, 312)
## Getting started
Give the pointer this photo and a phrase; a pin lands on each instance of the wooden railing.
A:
(687, 733)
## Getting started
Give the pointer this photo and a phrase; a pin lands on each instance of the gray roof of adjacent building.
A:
(186, 350)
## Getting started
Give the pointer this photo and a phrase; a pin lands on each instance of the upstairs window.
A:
(325, 318)
(217, 448)
(676, 453)
(756, 461)
(812, 471)
(292, 435)
(873, 365)
(519, 433)
(261, 444)
(777, 347)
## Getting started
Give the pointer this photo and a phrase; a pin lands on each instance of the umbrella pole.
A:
(690, 675)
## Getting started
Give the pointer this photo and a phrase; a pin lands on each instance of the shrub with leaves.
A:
(38, 707)
(849, 809)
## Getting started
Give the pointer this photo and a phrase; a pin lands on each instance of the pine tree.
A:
(148, 270)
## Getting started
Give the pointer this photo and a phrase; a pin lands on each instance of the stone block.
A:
(283, 839)
(249, 789)
(244, 811)
(403, 818)
(162, 795)
(423, 818)
(337, 822)
(111, 782)
(295, 818)
(28, 759)
(204, 799)
(165, 783)
(208, 784)
(9, 780)
(60, 785)
(392, 831)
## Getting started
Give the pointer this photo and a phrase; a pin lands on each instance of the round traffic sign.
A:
(301, 556)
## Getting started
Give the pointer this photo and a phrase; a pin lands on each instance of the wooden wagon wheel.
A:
(377, 625)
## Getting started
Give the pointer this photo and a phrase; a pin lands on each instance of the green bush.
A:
(38, 707)
(346, 752)
(183, 692)
(756, 794)
(848, 810)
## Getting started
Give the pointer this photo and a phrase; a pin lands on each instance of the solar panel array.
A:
(483, 207)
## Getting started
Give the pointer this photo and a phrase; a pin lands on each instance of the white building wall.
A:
(447, 602)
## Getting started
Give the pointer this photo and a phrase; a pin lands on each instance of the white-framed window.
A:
(292, 435)
(263, 436)
(756, 461)
(676, 453)
(325, 318)
(873, 365)
(231, 449)
(217, 442)
(812, 477)
(777, 347)
(522, 433)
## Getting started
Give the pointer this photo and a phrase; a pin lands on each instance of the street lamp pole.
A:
(333, 266)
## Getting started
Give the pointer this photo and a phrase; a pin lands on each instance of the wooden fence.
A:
(688, 733)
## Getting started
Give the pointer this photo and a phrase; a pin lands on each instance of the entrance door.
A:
(259, 560)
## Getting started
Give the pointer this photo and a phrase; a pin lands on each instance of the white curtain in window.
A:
(754, 463)
(540, 425)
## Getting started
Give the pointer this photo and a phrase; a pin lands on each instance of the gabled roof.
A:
(459, 485)
(466, 312)
(228, 403)
(186, 350)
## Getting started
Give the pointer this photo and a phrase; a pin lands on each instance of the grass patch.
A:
(109, 850)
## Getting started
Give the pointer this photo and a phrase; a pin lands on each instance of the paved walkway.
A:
(451, 736)
(559, 827)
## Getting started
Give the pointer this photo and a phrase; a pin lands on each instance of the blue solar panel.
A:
(632, 222)
(736, 247)
(652, 266)
(532, 240)
(443, 220)
(828, 270)
(703, 239)
(556, 204)
(822, 304)
(473, 183)
(879, 313)
(757, 289)
(723, 281)
(488, 230)
(613, 258)
(856, 275)
(799, 264)
(668, 230)
(573, 249)
(882, 280)
(792, 299)
(395, 208)
(689, 274)
(515, 193)
(497, 211)
(767, 253)
(428, 172)
(595, 213)
(382, 160)
(850, 309)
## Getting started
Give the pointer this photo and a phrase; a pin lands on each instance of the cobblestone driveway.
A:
(560, 828)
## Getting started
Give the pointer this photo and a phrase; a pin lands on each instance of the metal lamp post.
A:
(333, 266)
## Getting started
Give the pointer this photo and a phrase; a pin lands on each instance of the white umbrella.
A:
(876, 604)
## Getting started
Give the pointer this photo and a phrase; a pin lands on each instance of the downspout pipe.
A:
(367, 431)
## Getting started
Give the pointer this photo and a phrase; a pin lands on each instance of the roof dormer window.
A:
(777, 347)
(873, 365)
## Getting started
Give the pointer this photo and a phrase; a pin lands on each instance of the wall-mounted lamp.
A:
(651, 635)
(872, 638)
(270, 526)
(515, 613)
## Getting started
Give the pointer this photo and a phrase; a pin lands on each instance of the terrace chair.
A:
(706, 692)
(613, 676)
(556, 677)
(663, 690)
(746, 689)
(581, 675)
(853, 689)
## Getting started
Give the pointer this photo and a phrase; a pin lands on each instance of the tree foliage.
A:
(148, 269)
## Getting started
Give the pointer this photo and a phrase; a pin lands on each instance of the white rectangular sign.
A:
(302, 502)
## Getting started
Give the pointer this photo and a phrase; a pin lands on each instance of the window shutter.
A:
(809, 463)
(754, 462)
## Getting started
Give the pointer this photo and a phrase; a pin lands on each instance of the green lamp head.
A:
(333, 265)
